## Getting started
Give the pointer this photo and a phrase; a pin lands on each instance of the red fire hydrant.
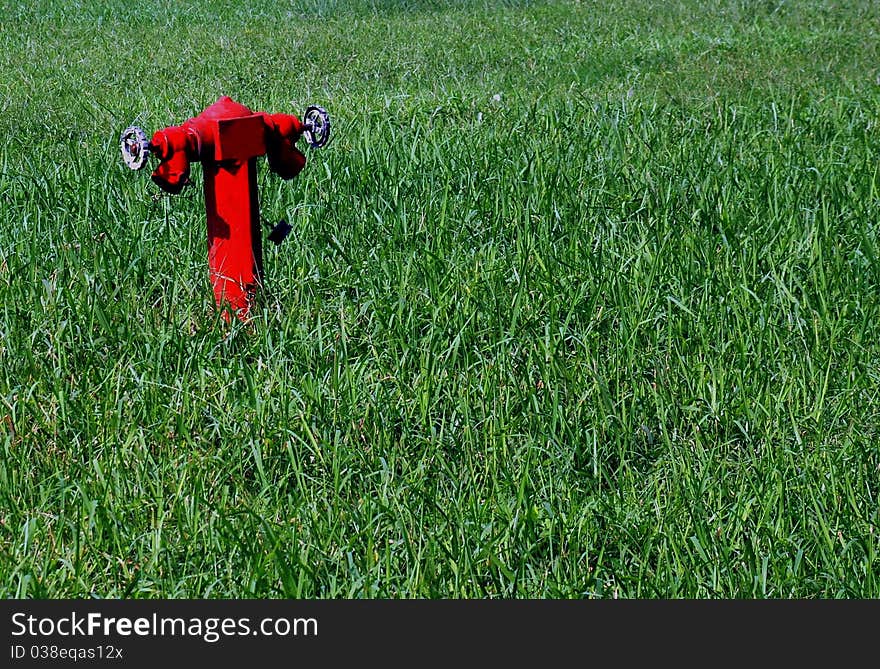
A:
(227, 138)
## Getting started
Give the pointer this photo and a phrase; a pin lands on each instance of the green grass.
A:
(614, 333)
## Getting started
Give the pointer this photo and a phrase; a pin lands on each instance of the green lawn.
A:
(582, 300)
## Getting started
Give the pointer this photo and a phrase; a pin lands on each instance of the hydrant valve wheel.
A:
(317, 126)
(135, 147)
